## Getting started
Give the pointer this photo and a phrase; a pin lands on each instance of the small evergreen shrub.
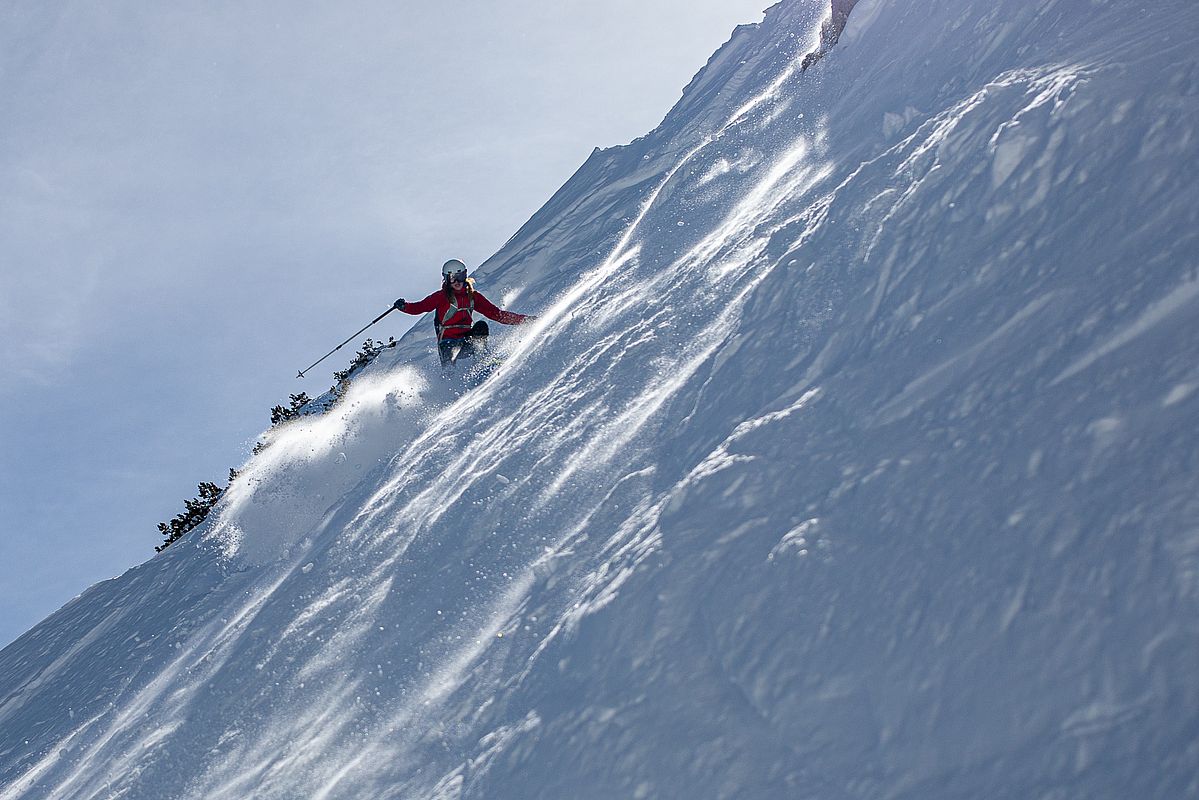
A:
(196, 511)
(280, 414)
(369, 352)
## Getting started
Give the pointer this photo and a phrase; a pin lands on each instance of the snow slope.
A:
(853, 457)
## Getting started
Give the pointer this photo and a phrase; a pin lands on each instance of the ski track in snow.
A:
(1178, 300)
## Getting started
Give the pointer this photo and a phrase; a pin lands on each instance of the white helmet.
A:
(452, 266)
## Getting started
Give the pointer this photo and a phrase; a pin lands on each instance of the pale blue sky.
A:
(197, 199)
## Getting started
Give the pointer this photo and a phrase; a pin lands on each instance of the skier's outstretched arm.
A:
(491, 311)
(417, 307)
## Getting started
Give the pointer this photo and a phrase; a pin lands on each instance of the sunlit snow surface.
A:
(854, 456)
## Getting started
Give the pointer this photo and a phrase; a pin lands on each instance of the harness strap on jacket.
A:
(451, 311)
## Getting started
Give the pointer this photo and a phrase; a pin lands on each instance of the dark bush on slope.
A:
(280, 414)
(369, 352)
(196, 511)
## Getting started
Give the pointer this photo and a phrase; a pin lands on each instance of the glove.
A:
(530, 318)
(398, 305)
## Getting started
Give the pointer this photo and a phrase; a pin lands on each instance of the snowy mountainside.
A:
(852, 457)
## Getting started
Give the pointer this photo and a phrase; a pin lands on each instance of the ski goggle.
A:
(459, 276)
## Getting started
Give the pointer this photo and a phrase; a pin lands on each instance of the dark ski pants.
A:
(473, 344)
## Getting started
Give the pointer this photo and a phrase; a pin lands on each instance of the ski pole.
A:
(300, 374)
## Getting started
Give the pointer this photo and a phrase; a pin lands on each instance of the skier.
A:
(455, 304)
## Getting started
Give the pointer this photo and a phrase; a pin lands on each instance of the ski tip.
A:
(299, 374)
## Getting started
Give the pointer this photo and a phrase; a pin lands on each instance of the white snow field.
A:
(854, 455)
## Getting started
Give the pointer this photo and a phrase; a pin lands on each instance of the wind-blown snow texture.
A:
(853, 457)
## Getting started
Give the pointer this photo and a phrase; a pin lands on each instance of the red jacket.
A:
(456, 318)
